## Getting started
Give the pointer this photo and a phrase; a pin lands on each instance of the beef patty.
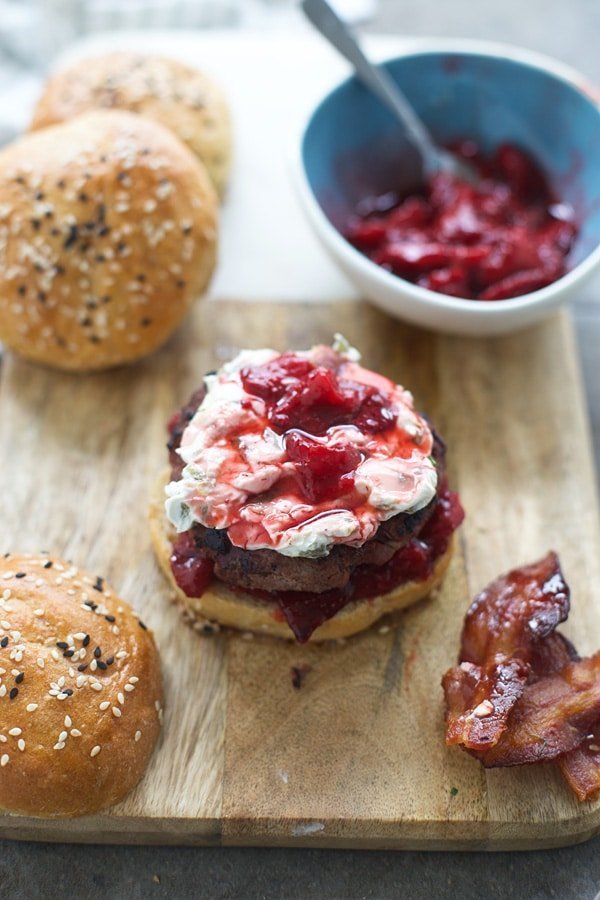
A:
(268, 570)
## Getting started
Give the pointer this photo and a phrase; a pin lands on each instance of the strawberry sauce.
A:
(501, 238)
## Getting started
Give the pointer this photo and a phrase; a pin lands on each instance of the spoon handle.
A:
(374, 77)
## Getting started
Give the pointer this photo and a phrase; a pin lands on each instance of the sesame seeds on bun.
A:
(108, 231)
(80, 690)
(178, 96)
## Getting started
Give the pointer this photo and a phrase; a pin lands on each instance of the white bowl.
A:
(418, 305)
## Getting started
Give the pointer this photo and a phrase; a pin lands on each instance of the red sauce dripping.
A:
(504, 237)
(304, 612)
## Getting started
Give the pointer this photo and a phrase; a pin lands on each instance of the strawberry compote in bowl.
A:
(478, 258)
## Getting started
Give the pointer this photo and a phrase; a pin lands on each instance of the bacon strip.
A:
(553, 716)
(581, 767)
(503, 627)
(479, 701)
(513, 613)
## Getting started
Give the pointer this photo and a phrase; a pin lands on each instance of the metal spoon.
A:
(434, 159)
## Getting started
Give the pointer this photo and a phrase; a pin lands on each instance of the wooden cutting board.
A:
(356, 757)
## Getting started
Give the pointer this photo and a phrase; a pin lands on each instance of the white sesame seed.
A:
(68, 722)
(95, 750)
(40, 662)
(2, 690)
(81, 680)
(138, 735)
(104, 705)
(3, 739)
(96, 686)
(15, 732)
(120, 698)
(134, 679)
(21, 744)
(93, 665)
(75, 732)
(62, 737)
(129, 687)
(38, 612)
(121, 655)
(116, 712)
(55, 655)
(4, 759)
(59, 746)
(484, 709)
(31, 707)
(594, 748)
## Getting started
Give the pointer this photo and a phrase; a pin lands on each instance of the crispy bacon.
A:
(513, 613)
(553, 716)
(551, 655)
(502, 629)
(521, 694)
(479, 701)
(581, 767)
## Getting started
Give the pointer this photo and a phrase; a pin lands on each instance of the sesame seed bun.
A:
(108, 230)
(80, 690)
(221, 606)
(176, 95)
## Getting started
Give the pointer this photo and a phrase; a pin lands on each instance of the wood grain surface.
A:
(355, 757)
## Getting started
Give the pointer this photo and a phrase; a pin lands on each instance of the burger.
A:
(306, 498)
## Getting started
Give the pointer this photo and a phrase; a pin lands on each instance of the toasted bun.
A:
(221, 605)
(72, 741)
(178, 96)
(108, 229)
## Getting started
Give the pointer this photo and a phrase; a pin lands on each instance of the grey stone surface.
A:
(569, 31)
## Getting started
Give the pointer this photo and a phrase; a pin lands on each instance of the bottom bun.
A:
(220, 604)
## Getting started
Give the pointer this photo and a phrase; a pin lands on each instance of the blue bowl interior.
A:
(352, 146)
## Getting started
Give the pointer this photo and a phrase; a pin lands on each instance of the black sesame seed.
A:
(94, 339)
(97, 652)
(36, 224)
(68, 691)
(88, 603)
(39, 195)
(86, 640)
(20, 574)
(21, 290)
(110, 660)
(99, 584)
(121, 247)
(142, 625)
(68, 653)
(4, 642)
(110, 618)
(83, 197)
(54, 231)
(82, 667)
(87, 322)
(102, 665)
(13, 693)
(59, 270)
(48, 564)
(61, 184)
(41, 296)
(102, 232)
(19, 678)
(180, 283)
(141, 277)
(62, 645)
(121, 176)
(71, 237)
(145, 322)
